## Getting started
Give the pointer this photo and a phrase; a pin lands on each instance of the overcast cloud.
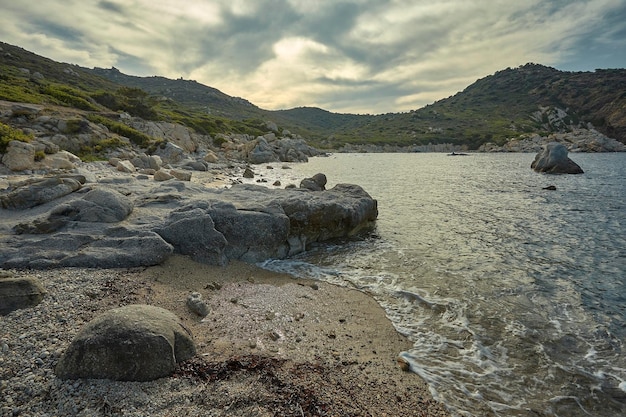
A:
(356, 56)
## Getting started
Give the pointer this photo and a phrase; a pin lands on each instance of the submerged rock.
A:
(553, 160)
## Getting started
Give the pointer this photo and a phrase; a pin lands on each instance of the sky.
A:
(346, 56)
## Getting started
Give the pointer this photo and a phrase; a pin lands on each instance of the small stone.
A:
(248, 173)
(274, 335)
(404, 364)
(196, 304)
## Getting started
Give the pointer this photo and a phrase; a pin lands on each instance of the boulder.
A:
(25, 109)
(315, 183)
(17, 293)
(252, 236)
(192, 232)
(170, 153)
(19, 156)
(100, 205)
(162, 175)
(211, 157)
(248, 173)
(341, 211)
(181, 175)
(60, 160)
(126, 166)
(39, 191)
(131, 343)
(553, 160)
(197, 165)
(262, 152)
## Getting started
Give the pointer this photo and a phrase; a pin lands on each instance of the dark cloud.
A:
(109, 6)
(366, 55)
(604, 47)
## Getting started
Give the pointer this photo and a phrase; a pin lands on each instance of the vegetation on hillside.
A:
(7, 134)
(496, 108)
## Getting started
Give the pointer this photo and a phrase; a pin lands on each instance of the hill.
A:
(526, 100)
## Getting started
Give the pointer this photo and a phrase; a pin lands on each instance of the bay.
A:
(514, 296)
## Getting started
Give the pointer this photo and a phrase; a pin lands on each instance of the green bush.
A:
(69, 96)
(135, 136)
(134, 101)
(97, 151)
(7, 134)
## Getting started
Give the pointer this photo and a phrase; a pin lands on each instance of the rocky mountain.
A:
(512, 104)
(528, 100)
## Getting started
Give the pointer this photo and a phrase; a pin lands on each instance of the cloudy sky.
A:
(352, 56)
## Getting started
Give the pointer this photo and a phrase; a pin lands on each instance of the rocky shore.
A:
(140, 228)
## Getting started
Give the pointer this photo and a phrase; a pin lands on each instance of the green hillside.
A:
(528, 99)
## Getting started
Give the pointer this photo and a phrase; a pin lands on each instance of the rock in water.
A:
(16, 293)
(553, 160)
(131, 343)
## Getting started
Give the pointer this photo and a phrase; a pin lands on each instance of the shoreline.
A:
(289, 347)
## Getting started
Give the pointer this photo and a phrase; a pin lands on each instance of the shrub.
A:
(69, 96)
(135, 136)
(8, 133)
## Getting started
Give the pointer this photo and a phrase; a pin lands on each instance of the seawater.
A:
(514, 296)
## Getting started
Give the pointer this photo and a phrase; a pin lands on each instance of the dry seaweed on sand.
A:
(289, 397)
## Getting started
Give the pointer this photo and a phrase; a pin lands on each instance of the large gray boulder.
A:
(316, 183)
(262, 152)
(100, 205)
(341, 211)
(104, 205)
(344, 210)
(552, 159)
(19, 156)
(39, 191)
(192, 232)
(132, 343)
(252, 236)
(16, 293)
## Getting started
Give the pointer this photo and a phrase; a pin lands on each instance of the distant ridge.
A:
(530, 99)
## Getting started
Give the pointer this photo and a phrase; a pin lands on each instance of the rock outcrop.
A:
(148, 221)
(132, 343)
(577, 140)
(553, 160)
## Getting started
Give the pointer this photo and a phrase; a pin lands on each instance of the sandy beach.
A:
(271, 345)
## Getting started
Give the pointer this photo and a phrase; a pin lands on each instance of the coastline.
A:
(283, 346)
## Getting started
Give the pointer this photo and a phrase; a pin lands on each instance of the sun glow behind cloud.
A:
(370, 56)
